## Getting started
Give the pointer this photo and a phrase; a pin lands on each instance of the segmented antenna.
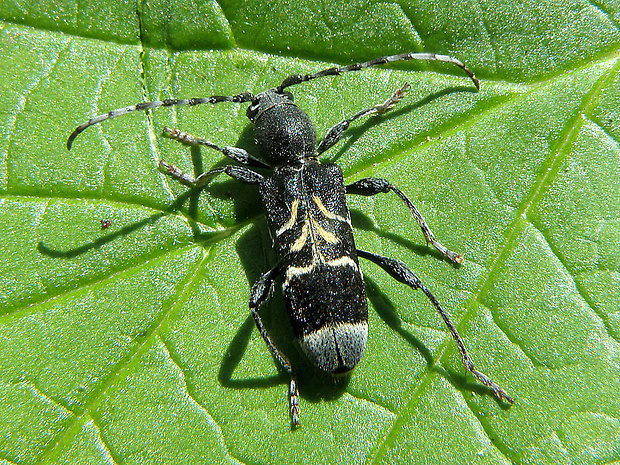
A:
(242, 97)
(288, 82)
(336, 70)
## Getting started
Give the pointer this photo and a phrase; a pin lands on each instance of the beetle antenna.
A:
(336, 70)
(242, 97)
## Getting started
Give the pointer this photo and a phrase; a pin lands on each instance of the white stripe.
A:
(343, 261)
(326, 345)
(296, 271)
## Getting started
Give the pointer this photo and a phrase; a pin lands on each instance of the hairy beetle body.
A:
(322, 282)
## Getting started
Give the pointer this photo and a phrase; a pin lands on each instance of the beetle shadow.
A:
(359, 220)
(315, 385)
(354, 133)
(255, 252)
(254, 249)
(116, 234)
(387, 312)
(191, 197)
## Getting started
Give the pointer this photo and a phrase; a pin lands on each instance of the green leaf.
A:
(134, 344)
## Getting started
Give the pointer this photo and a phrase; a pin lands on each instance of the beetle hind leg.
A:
(258, 296)
(403, 274)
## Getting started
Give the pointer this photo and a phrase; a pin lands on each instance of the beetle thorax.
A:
(283, 133)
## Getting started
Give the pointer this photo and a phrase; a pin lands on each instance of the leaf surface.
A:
(134, 344)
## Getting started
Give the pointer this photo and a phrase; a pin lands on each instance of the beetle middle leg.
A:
(262, 288)
(258, 296)
(401, 273)
(237, 154)
(372, 186)
(236, 172)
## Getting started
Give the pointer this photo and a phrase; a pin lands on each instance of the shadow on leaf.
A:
(355, 132)
(388, 313)
(256, 255)
(122, 231)
(361, 221)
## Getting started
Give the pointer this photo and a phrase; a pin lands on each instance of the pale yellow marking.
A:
(294, 271)
(301, 240)
(311, 228)
(326, 235)
(326, 212)
(291, 221)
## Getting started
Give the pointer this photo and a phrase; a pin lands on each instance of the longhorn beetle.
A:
(309, 221)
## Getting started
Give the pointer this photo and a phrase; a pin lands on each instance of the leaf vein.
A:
(122, 369)
(192, 397)
(414, 28)
(489, 35)
(38, 392)
(379, 405)
(47, 70)
(23, 311)
(511, 337)
(102, 444)
(599, 7)
(494, 440)
(584, 295)
(598, 124)
(511, 233)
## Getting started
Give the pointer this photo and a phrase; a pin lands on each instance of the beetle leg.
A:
(258, 296)
(235, 153)
(372, 186)
(239, 173)
(336, 132)
(401, 273)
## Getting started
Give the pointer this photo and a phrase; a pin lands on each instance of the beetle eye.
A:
(252, 109)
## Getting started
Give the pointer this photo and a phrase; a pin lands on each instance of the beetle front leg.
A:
(372, 186)
(337, 131)
(235, 153)
(401, 273)
(258, 296)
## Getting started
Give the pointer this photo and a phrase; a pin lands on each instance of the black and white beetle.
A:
(310, 223)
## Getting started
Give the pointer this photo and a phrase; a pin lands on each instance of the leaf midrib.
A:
(184, 288)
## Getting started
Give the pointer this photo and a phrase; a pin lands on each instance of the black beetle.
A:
(310, 223)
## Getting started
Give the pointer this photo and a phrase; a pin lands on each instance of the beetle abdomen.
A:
(321, 279)
(328, 312)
